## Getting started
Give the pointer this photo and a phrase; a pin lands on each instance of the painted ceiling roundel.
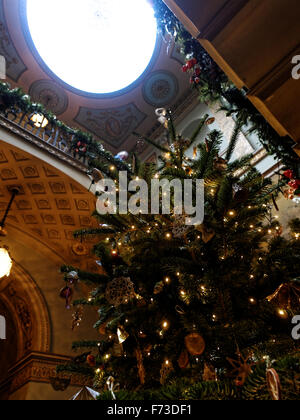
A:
(91, 39)
(160, 89)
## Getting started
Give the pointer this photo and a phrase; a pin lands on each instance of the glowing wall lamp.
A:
(5, 263)
(39, 120)
(5, 259)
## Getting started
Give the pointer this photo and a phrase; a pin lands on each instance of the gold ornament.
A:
(210, 121)
(207, 233)
(159, 287)
(220, 164)
(120, 291)
(122, 335)
(287, 295)
(195, 344)
(241, 368)
(183, 360)
(77, 317)
(166, 369)
(209, 374)
(140, 365)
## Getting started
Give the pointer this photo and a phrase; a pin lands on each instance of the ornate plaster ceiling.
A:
(110, 118)
(49, 208)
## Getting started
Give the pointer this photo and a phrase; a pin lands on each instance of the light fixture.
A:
(39, 120)
(5, 259)
(5, 263)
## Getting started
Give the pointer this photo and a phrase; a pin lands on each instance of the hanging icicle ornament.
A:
(77, 317)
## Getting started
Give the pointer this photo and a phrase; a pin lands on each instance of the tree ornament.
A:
(81, 359)
(165, 371)
(103, 326)
(287, 295)
(274, 385)
(140, 365)
(240, 194)
(220, 164)
(241, 369)
(91, 360)
(86, 394)
(111, 386)
(77, 317)
(72, 277)
(206, 232)
(209, 374)
(140, 144)
(122, 334)
(289, 174)
(60, 384)
(161, 113)
(183, 360)
(180, 229)
(67, 294)
(120, 291)
(117, 350)
(123, 156)
(195, 344)
(159, 287)
(210, 121)
(95, 175)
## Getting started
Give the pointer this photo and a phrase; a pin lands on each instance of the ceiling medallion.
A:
(160, 88)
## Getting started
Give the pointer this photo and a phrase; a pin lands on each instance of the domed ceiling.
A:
(109, 117)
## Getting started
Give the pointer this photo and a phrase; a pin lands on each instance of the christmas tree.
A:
(192, 312)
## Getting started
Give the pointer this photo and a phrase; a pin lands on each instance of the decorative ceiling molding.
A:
(161, 88)
(50, 94)
(15, 67)
(113, 125)
(177, 55)
(50, 205)
(40, 368)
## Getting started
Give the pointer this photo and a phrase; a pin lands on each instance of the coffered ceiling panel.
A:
(50, 205)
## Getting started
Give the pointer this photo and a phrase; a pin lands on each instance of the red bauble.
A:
(191, 63)
(197, 71)
(79, 144)
(91, 360)
(289, 174)
(185, 69)
(197, 80)
(294, 183)
(83, 150)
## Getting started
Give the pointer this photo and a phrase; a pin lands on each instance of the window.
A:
(96, 46)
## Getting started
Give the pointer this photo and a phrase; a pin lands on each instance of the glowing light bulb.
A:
(5, 263)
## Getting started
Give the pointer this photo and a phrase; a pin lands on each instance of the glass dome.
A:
(95, 46)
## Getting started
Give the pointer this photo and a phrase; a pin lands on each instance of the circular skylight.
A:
(96, 46)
